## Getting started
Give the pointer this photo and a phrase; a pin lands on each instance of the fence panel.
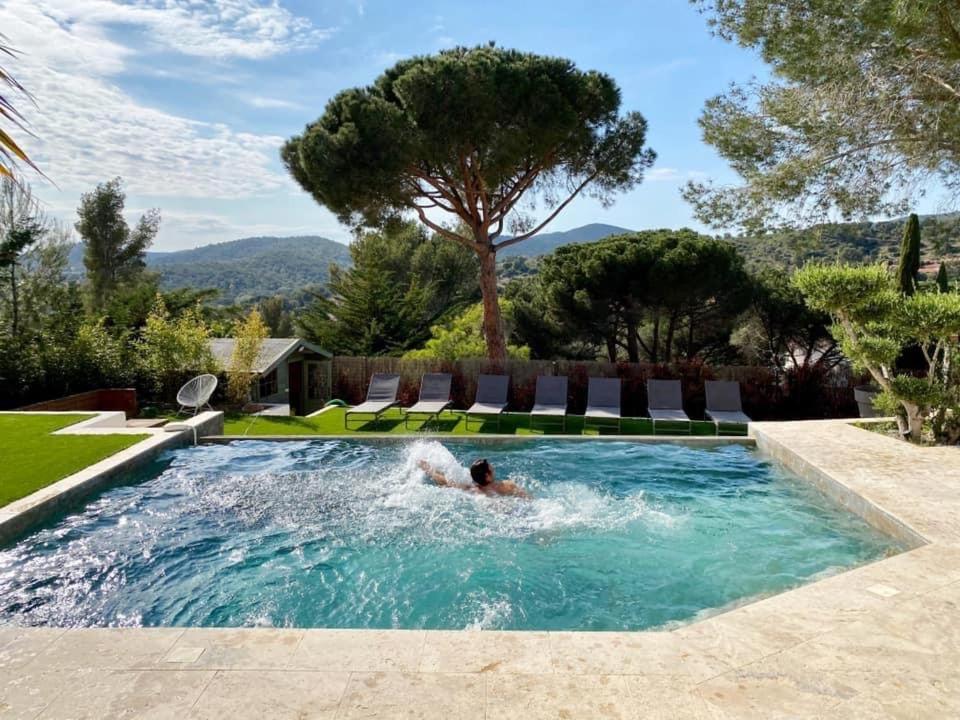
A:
(767, 394)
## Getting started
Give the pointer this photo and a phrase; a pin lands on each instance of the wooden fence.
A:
(767, 394)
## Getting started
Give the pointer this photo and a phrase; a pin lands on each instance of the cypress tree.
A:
(909, 256)
(943, 282)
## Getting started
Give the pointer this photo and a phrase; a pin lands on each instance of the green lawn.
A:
(32, 458)
(331, 423)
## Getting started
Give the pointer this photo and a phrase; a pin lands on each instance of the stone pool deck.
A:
(879, 641)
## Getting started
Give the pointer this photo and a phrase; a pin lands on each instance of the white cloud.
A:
(669, 174)
(180, 230)
(663, 174)
(271, 103)
(204, 28)
(87, 129)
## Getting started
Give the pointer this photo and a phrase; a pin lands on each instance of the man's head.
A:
(482, 472)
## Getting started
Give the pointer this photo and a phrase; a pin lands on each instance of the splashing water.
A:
(346, 534)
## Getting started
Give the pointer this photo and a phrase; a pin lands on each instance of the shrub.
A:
(249, 335)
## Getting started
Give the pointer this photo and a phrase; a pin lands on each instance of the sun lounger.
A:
(491, 398)
(665, 405)
(381, 396)
(550, 400)
(434, 399)
(603, 403)
(723, 403)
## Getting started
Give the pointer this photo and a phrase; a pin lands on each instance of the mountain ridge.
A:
(259, 266)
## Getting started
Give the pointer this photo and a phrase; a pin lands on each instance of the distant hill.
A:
(256, 267)
(245, 269)
(854, 242)
(546, 243)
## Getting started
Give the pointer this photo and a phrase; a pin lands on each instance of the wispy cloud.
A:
(180, 230)
(669, 174)
(88, 129)
(208, 28)
(662, 174)
(271, 103)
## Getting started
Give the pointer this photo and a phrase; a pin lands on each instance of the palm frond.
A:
(11, 154)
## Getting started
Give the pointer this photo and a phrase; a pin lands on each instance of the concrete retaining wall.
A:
(119, 399)
(22, 515)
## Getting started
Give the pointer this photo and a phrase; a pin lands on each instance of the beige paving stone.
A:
(121, 694)
(232, 649)
(184, 655)
(647, 653)
(277, 695)
(740, 637)
(773, 689)
(486, 652)
(665, 697)
(814, 609)
(547, 697)
(914, 572)
(24, 692)
(24, 644)
(884, 591)
(416, 696)
(361, 650)
(911, 693)
(113, 648)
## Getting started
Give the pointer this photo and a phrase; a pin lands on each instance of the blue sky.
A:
(189, 101)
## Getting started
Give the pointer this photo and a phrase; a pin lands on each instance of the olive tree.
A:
(484, 137)
(873, 320)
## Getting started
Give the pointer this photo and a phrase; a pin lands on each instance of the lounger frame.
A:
(678, 425)
(430, 383)
(723, 401)
(365, 417)
(596, 421)
(548, 423)
(383, 406)
(471, 413)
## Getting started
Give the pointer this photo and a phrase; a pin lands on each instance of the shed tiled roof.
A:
(272, 351)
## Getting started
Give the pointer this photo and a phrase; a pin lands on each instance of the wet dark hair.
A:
(479, 472)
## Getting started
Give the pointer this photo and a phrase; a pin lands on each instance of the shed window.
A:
(268, 383)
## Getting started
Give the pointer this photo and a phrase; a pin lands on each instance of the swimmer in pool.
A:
(484, 480)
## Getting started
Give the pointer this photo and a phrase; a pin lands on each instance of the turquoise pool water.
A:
(346, 534)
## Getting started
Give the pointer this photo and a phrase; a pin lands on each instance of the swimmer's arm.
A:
(438, 477)
(511, 488)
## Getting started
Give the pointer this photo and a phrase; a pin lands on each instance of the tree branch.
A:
(440, 230)
(520, 238)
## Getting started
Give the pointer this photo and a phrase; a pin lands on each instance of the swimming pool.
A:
(619, 536)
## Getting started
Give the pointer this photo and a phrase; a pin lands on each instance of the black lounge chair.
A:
(434, 399)
(491, 398)
(381, 396)
(665, 405)
(550, 400)
(603, 403)
(724, 406)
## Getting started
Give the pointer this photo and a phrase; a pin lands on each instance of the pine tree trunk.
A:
(612, 348)
(633, 346)
(655, 343)
(14, 303)
(492, 321)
